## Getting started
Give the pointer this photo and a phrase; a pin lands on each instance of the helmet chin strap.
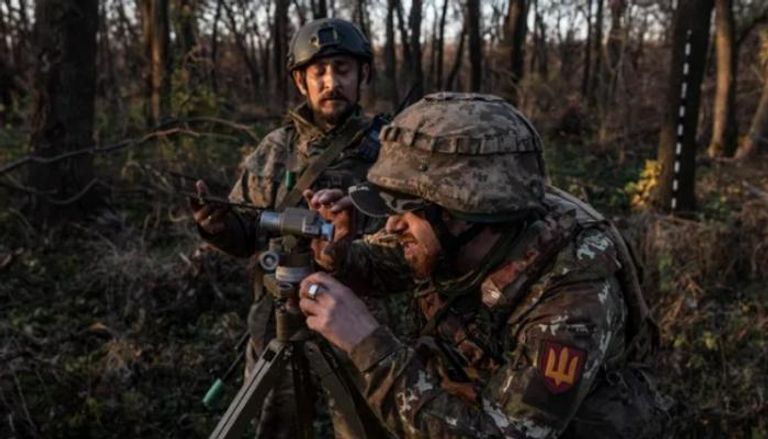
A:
(449, 242)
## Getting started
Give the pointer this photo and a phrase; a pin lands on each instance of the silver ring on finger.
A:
(312, 291)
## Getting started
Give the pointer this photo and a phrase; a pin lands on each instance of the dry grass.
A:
(706, 281)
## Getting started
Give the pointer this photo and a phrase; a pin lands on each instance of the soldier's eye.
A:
(317, 70)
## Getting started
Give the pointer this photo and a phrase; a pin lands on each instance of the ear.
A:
(366, 73)
(298, 80)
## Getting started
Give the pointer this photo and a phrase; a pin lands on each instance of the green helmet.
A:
(475, 155)
(325, 37)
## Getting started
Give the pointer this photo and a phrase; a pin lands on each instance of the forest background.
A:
(114, 317)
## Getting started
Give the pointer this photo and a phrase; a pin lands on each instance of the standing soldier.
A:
(327, 143)
(535, 325)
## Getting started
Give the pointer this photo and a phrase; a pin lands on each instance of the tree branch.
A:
(131, 142)
(749, 27)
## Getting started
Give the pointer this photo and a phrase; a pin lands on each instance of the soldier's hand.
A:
(333, 200)
(336, 312)
(337, 208)
(210, 217)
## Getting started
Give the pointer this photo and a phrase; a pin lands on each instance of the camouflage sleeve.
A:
(260, 175)
(374, 264)
(556, 343)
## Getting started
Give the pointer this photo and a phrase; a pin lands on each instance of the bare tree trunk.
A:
(414, 20)
(359, 16)
(616, 38)
(457, 61)
(245, 53)
(156, 34)
(535, 35)
(441, 46)
(639, 51)
(320, 9)
(281, 49)
(756, 141)
(63, 109)
(430, 79)
(187, 28)
(405, 45)
(161, 61)
(677, 144)
(301, 11)
(723, 140)
(190, 71)
(215, 47)
(7, 70)
(475, 45)
(597, 82)
(109, 87)
(390, 58)
(265, 45)
(542, 54)
(587, 78)
(5, 37)
(515, 30)
(21, 37)
(134, 53)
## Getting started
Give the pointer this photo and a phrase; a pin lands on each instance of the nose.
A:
(329, 80)
(395, 224)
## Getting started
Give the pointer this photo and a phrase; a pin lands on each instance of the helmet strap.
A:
(449, 242)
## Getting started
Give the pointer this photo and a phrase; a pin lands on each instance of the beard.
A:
(341, 107)
(419, 259)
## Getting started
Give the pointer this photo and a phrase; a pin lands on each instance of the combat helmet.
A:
(474, 155)
(325, 37)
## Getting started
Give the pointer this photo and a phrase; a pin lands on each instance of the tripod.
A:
(295, 349)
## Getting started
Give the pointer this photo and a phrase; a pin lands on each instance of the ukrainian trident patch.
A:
(554, 387)
(560, 365)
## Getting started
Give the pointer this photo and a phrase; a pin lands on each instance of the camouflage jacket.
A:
(527, 350)
(290, 148)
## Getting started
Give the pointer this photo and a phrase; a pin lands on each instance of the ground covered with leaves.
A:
(115, 326)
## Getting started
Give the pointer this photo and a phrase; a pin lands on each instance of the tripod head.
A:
(288, 261)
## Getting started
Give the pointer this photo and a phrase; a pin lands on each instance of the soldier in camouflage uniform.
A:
(327, 143)
(535, 325)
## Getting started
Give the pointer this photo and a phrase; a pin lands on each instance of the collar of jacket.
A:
(449, 285)
(307, 130)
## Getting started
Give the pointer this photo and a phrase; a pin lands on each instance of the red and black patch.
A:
(560, 365)
(554, 386)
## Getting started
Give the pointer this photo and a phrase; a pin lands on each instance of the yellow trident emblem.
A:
(563, 368)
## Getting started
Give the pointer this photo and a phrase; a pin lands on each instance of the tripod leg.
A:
(304, 394)
(271, 364)
(358, 421)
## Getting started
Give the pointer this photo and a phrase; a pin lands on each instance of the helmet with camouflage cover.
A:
(475, 155)
(325, 37)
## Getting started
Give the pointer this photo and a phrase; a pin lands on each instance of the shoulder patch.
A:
(554, 386)
(560, 365)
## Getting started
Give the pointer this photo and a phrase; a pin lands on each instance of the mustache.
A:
(333, 95)
(407, 239)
